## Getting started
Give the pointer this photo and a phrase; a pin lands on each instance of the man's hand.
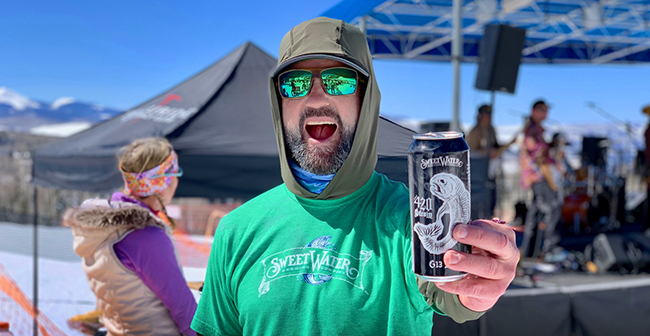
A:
(491, 265)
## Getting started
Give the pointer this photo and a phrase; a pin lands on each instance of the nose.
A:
(317, 96)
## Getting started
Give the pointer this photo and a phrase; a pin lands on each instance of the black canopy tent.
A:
(219, 122)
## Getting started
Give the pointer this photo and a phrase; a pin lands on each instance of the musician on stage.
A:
(482, 141)
(482, 138)
(545, 209)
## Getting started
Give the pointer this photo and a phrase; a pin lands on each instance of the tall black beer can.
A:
(439, 183)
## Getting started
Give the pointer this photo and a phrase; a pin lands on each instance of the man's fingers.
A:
(499, 226)
(486, 238)
(490, 273)
(475, 287)
(483, 266)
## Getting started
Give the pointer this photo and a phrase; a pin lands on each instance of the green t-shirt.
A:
(285, 265)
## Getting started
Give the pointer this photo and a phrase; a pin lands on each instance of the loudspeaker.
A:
(626, 253)
(499, 58)
(594, 150)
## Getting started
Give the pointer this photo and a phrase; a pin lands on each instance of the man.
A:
(482, 142)
(544, 211)
(482, 138)
(329, 251)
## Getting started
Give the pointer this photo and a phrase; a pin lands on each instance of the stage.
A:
(563, 304)
(564, 299)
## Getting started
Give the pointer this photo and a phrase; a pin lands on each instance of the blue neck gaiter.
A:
(312, 182)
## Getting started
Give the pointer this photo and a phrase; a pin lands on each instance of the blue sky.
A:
(121, 53)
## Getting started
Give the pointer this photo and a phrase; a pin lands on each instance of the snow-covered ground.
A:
(62, 286)
(61, 130)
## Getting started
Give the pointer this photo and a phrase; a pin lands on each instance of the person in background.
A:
(126, 247)
(561, 168)
(482, 141)
(646, 151)
(536, 174)
(329, 251)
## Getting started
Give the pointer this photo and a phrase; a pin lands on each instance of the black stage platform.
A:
(563, 304)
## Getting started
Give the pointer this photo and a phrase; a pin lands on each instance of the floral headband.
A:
(154, 180)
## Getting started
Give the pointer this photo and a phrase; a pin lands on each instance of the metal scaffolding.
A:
(557, 31)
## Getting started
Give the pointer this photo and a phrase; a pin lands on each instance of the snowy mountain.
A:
(20, 113)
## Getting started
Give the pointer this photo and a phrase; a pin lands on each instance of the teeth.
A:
(320, 123)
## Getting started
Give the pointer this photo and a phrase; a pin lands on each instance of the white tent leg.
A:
(456, 54)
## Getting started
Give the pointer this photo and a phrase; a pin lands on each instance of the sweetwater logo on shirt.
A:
(315, 264)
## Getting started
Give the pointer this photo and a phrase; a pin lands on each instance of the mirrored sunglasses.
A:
(177, 174)
(336, 82)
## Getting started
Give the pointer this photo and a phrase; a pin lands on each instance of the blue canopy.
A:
(557, 31)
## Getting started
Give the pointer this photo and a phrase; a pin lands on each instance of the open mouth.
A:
(320, 130)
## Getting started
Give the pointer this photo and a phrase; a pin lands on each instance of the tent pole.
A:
(492, 100)
(35, 257)
(456, 54)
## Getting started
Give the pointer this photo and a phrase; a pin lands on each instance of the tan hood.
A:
(96, 219)
(327, 38)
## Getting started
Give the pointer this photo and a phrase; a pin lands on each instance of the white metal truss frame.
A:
(596, 31)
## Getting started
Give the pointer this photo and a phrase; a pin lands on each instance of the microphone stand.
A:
(622, 170)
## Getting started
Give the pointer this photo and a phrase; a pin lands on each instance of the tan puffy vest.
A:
(128, 306)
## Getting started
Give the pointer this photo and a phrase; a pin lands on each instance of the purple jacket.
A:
(150, 254)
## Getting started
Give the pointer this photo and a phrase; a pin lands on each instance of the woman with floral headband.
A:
(126, 247)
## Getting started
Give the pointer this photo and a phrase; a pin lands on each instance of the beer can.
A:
(439, 184)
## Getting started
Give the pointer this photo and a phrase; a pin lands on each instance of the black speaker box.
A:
(594, 151)
(627, 253)
(499, 58)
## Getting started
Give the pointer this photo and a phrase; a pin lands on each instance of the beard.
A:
(322, 159)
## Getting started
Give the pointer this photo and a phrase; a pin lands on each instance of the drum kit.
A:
(595, 195)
